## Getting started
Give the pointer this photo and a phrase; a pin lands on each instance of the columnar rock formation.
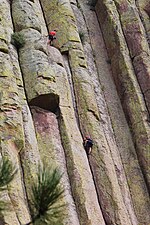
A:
(94, 80)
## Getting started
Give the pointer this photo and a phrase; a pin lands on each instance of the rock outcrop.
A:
(94, 80)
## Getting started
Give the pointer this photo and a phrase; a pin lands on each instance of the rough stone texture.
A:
(120, 135)
(30, 156)
(127, 85)
(144, 12)
(119, 132)
(135, 36)
(43, 77)
(87, 111)
(52, 152)
(11, 126)
(94, 80)
(58, 16)
(78, 169)
(25, 16)
(36, 70)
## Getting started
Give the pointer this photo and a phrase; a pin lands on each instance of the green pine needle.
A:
(7, 173)
(46, 193)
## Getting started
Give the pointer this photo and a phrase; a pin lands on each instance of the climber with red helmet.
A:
(88, 143)
(51, 36)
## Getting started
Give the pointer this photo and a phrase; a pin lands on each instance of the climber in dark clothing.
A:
(88, 143)
(51, 36)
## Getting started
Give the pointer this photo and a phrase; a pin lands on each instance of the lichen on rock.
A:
(93, 81)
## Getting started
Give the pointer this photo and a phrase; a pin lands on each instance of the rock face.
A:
(94, 80)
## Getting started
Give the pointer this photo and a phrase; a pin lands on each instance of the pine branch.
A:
(46, 195)
(7, 173)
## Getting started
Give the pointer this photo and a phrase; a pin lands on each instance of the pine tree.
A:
(7, 173)
(46, 195)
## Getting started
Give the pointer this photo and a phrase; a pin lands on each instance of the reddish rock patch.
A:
(123, 7)
(133, 37)
(45, 121)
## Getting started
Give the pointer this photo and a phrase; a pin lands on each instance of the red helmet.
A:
(52, 32)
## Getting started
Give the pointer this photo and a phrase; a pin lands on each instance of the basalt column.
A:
(125, 74)
(47, 86)
(103, 168)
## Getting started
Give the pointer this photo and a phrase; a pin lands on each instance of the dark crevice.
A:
(19, 154)
(23, 180)
(20, 85)
(44, 16)
(66, 146)
(60, 64)
(3, 50)
(48, 102)
(94, 114)
(83, 66)
(106, 220)
(4, 40)
(18, 54)
(22, 79)
(92, 171)
(72, 3)
(81, 57)
(45, 78)
(70, 80)
(75, 41)
(3, 76)
(96, 189)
